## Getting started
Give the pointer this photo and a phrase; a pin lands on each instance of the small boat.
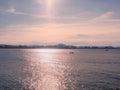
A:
(71, 52)
(106, 50)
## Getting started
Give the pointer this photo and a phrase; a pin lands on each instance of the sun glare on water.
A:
(47, 54)
(44, 70)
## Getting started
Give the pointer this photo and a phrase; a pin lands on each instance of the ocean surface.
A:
(59, 69)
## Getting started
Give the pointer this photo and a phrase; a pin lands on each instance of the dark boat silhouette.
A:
(106, 50)
(71, 52)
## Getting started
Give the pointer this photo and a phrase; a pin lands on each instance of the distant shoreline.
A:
(61, 48)
(58, 46)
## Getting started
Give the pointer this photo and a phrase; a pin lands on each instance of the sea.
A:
(59, 69)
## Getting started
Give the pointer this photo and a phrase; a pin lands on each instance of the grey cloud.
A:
(86, 36)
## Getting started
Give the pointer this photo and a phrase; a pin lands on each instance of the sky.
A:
(74, 22)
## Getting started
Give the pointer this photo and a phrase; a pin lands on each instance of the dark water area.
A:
(59, 69)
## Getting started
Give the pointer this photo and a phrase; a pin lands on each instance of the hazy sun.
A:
(49, 3)
(49, 7)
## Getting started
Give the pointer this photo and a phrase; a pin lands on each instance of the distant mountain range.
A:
(58, 46)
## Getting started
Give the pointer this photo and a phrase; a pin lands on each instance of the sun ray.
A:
(50, 7)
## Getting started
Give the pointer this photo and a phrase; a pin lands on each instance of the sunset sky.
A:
(75, 22)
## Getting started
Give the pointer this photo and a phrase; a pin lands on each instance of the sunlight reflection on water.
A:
(46, 71)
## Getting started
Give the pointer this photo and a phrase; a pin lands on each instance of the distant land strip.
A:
(58, 46)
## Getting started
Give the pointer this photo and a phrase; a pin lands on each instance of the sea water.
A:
(59, 69)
